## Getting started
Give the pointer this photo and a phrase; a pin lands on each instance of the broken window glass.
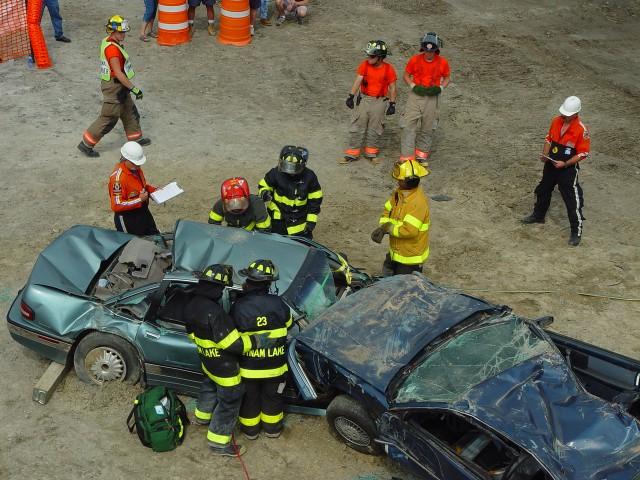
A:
(470, 358)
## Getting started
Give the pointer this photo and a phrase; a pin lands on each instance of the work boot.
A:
(144, 141)
(347, 159)
(228, 450)
(273, 434)
(574, 240)
(200, 421)
(374, 160)
(210, 29)
(532, 219)
(88, 151)
(265, 22)
(63, 39)
(248, 436)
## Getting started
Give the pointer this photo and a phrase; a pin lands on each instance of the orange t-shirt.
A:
(376, 80)
(428, 74)
(575, 136)
(114, 52)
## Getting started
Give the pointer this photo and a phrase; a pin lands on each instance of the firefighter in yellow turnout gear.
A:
(406, 220)
(263, 370)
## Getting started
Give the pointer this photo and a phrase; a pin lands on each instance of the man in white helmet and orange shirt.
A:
(566, 145)
(129, 193)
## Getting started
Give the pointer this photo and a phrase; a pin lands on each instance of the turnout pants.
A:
(116, 104)
(570, 190)
(136, 222)
(262, 406)
(419, 122)
(367, 125)
(390, 268)
(220, 405)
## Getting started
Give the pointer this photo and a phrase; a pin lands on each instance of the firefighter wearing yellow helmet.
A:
(406, 220)
(116, 74)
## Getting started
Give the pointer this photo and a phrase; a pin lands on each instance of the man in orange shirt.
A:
(116, 73)
(376, 81)
(129, 193)
(567, 143)
(427, 74)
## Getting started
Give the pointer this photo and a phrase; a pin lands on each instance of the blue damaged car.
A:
(457, 388)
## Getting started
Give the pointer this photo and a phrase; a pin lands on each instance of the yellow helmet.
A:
(117, 24)
(408, 169)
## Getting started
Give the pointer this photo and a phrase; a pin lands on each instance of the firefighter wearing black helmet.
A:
(219, 347)
(263, 370)
(293, 193)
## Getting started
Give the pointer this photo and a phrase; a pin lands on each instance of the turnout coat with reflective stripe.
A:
(214, 333)
(296, 198)
(408, 213)
(258, 312)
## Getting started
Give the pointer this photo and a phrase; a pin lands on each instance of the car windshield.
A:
(470, 358)
(312, 290)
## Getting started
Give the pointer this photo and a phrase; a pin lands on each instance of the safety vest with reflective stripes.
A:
(258, 312)
(296, 199)
(105, 68)
(254, 217)
(408, 213)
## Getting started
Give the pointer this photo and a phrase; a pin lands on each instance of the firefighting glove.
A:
(265, 195)
(137, 92)
(349, 102)
(391, 109)
(263, 341)
(378, 234)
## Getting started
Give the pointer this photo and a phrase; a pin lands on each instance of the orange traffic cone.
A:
(173, 25)
(234, 23)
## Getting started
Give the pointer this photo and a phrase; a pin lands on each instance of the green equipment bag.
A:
(159, 418)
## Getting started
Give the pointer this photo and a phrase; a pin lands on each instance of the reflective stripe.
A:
(172, 8)
(312, 217)
(89, 139)
(266, 373)
(275, 211)
(215, 217)
(388, 206)
(224, 343)
(202, 415)
(246, 343)
(249, 422)
(133, 136)
(221, 439)
(265, 224)
(173, 26)
(415, 260)
(275, 333)
(414, 222)
(404, 159)
(223, 381)
(373, 150)
(231, 14)
(315, 195)
(352, 152)
(290, 321)
(296, 228)
(250, 227)
(271, 418)
(287, 201)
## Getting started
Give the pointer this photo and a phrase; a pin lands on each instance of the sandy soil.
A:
(215, 111)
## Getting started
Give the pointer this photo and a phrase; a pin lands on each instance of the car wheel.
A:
(351, 424)
(100, 358)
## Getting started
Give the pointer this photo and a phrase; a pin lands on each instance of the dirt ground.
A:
(214, 111)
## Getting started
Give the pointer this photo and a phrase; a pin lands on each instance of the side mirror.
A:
(544, 322)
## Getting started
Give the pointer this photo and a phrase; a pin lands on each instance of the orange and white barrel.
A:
(173, 24)
(234, 23)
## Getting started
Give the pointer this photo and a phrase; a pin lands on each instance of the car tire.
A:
(100, 358)
(350, 423)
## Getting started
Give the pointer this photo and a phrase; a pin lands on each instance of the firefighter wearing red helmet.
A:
(239, 208)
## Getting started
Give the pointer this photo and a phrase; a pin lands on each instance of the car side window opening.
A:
(172, 305)
(135, 306)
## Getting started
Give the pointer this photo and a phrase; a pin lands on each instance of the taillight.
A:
(27, 311)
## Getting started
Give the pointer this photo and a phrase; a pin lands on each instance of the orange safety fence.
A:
(20, 32)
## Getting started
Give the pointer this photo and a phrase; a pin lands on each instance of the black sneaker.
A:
(532, 219)
(144, 141)
(574, 240)
(63, 39)
(88, 151)
(228, 450)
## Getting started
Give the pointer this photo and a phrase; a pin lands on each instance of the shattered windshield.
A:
(470, 358)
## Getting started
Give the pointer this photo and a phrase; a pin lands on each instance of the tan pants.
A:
(116, 104)
(419, 122)
(367, 124)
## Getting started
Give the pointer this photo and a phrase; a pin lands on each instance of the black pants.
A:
(567, 181)
(389, 268)
(136, 222)
(220, 406)
(263, 405)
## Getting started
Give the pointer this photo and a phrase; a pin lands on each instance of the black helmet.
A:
(431, 42)
(293, 160)
(261, 271)
(377, 48)
(220, 274)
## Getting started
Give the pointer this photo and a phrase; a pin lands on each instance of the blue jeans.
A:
(264, 9)
(54, 12)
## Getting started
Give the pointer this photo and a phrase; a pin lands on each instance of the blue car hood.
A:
(376, 331)
(73, 259)
(540, 406)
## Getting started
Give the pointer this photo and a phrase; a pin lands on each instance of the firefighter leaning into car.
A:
(292, 193)
(263, 370)
(406, 220)
(219, 346)
(115, 75)
(129, 193)
(376, 82)
(427, 74)
(239, 208)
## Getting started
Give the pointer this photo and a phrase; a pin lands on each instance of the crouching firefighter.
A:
(263, 370)
(219, 345)
(239, 208)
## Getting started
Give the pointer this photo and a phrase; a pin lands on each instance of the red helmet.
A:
(235, 195)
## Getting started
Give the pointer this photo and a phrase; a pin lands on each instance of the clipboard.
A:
(166, 193)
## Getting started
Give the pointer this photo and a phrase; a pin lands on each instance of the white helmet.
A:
(132, 151)
(571, 106)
